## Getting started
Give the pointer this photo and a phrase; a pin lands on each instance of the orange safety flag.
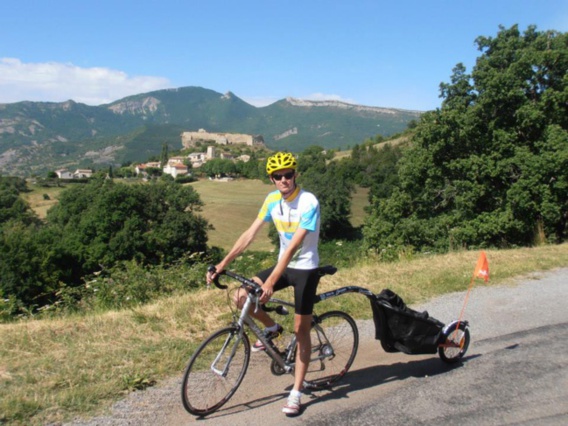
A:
(482, 267)
(481, 271)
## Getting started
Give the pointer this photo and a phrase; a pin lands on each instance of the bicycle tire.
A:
(460, 338)
(340, 330)
(204, 390)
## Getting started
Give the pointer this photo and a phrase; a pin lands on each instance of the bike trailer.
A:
(401, 329)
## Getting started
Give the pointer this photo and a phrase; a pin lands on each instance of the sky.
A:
(391, 54)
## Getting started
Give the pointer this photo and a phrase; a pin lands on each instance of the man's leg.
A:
(302, 326)
(260, 315)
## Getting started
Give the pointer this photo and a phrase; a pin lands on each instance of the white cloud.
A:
(57, 82)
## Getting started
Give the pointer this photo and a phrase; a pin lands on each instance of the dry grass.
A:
(52, 370)
(37, 201)
(393, 142)
(231, 207)
(359, 200)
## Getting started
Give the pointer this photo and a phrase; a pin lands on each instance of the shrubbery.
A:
(100, 226)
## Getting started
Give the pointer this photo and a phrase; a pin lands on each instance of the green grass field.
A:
(232, 206)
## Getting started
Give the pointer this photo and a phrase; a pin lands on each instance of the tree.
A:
(332, 190)
(31, 266)
(164, 155)
(107, 222)
(12, 206)
(490, 167)
(219, 167)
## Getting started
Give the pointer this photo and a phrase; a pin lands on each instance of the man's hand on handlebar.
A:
(267, 292)
(212, 276)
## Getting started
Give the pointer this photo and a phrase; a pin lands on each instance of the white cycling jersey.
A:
(300, 210)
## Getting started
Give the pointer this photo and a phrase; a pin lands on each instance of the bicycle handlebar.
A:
(322, 270)
(249, 283)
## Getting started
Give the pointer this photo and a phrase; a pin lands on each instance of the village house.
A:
(177, 160)
(197, 159)
(64, 174)
(77, 174)
(82, 173)
(226, 156)
(176, 167)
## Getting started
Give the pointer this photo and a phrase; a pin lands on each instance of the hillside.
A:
(36, 137)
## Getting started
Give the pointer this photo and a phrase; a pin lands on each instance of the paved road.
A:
(515, 372)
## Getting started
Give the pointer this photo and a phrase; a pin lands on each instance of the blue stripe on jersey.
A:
(271, 201)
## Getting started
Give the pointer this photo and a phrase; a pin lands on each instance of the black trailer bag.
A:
(400, 328)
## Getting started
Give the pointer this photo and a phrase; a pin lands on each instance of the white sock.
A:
(294, 394)
(273, 328)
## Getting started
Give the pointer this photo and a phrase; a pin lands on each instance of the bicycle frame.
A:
(272, 351)
(251, 302)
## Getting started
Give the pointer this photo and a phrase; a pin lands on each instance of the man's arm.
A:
(241, 244)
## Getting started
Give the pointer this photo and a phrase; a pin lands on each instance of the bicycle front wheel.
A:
(215, 371)
(335, 340)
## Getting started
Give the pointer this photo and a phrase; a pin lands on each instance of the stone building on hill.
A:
(188, 139)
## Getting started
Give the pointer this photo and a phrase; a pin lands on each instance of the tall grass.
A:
(52, 370)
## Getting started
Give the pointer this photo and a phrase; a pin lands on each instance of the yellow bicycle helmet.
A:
(280, 161)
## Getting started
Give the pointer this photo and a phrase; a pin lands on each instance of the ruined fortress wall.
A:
(188, 139)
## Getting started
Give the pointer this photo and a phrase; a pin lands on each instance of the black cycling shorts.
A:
(305, 283)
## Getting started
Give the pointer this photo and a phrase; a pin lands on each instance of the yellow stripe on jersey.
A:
(286, 227)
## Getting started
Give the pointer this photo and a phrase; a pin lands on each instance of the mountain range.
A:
(36, 137)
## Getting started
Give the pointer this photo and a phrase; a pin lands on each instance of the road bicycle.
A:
(218, 366)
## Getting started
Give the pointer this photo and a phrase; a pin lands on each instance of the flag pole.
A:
(481, 271)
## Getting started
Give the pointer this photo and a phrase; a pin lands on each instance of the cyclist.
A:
(296, 215)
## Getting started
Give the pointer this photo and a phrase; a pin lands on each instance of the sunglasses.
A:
(278, 177)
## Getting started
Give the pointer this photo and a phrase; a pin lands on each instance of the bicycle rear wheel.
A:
(215, 371)
(335, 340)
